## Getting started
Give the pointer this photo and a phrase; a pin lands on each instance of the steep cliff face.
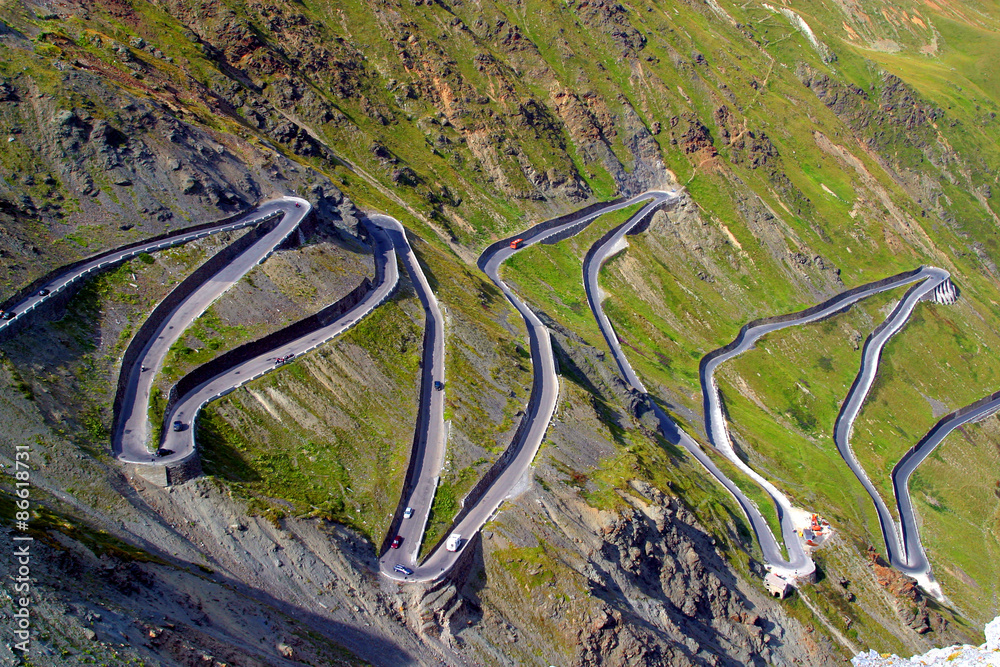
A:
(92, 166)
(659, 589)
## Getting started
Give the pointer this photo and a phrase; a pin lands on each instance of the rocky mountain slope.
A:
(819, 146)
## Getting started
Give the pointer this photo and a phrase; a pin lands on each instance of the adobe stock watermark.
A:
(20, 571)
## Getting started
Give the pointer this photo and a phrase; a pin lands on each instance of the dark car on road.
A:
(438, 385)
(396, 541)
(9, 315)
(44, 292)
(402, 569)
(178, 426)
(164, 452)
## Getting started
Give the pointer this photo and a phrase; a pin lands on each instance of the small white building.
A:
(777, 585)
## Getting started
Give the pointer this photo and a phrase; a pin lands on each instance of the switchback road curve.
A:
(63, 279)
(798, 565)
(905, 555)
(389, 238)
(186, 408)
(132, 425)
(901, 472)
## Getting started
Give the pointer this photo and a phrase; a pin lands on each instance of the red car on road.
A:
(396, 541)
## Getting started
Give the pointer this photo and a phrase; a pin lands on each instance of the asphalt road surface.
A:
(911, 561)
(186, 408)
(429, 440)
(107, 259)
(798, 564)
(132, 434)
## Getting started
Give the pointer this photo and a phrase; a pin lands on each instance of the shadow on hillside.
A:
(219, 453)
(131, 582)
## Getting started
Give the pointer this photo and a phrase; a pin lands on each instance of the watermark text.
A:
(21, 547)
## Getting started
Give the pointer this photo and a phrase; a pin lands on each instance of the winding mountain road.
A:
(545, 389)
(132, 434)
(715, 423)
(186, 408)
(390, 242)
(903, 545)
(132, 429)
(798, 565)
(905, 552)
(905, 555)
(541, 406)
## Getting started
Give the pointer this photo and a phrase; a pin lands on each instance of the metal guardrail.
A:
(182, 238)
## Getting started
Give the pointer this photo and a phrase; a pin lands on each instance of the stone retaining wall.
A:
(274, 340)
(321, 319)
(165, 307)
